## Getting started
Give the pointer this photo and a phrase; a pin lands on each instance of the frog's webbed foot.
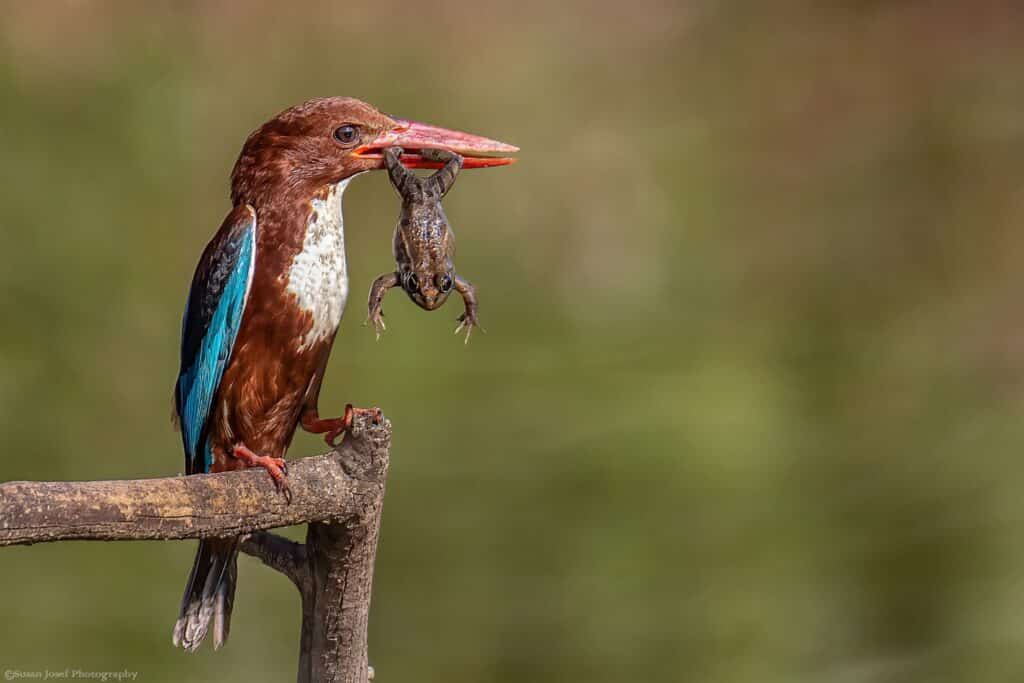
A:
(467, 321)
(441, 156)
(375, 314)
(376, 319)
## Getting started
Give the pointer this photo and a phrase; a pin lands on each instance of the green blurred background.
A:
(749, 405)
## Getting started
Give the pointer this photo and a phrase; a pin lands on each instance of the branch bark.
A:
(339, 494)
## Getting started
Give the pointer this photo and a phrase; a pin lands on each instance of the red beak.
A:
(412, 136)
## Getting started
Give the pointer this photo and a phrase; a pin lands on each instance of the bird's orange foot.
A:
(277, 468)
(344, 423)
(336, 427)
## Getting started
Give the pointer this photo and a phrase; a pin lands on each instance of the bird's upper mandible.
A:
(326, 140)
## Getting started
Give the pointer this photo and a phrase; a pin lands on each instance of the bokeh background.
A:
(749, 408)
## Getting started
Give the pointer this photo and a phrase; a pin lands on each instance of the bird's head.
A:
(327, 140)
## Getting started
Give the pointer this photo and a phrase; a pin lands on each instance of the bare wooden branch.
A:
(277, 552)
(335, 485)
(339, 494)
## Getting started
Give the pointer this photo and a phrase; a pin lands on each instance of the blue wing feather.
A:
(213, 316)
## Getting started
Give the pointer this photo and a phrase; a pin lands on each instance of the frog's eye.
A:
(412, 283)
(444, 282)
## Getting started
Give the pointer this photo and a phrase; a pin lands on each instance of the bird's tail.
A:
(209, 594)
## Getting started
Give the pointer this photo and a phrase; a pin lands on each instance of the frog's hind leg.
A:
(404, 181)
(444, 177)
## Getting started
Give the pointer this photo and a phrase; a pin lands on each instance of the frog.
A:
(424, 242)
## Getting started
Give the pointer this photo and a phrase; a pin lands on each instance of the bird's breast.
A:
(318, 275)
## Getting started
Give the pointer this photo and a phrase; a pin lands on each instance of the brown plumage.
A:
(265, 304)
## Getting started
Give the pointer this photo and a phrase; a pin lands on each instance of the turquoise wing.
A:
(213, 316)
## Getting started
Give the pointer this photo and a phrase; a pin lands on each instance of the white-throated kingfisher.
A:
(265, 304)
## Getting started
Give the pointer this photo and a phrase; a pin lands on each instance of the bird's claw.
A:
(284, 489)
(277, 468)
(376, 416)
(332, 437)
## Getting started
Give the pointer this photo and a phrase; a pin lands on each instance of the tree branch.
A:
(339, 494)
(279, 553)
(335, 485)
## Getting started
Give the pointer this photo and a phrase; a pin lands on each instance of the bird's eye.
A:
(346, 134)
(444, 282)
(412, 283)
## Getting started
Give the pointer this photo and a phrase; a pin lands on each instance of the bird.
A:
(265, 303)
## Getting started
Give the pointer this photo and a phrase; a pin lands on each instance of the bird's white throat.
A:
(318, 276)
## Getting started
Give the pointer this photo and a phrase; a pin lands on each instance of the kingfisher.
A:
(266, 300)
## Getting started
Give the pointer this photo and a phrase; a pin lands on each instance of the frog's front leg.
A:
(468, 319)
(379, 288)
